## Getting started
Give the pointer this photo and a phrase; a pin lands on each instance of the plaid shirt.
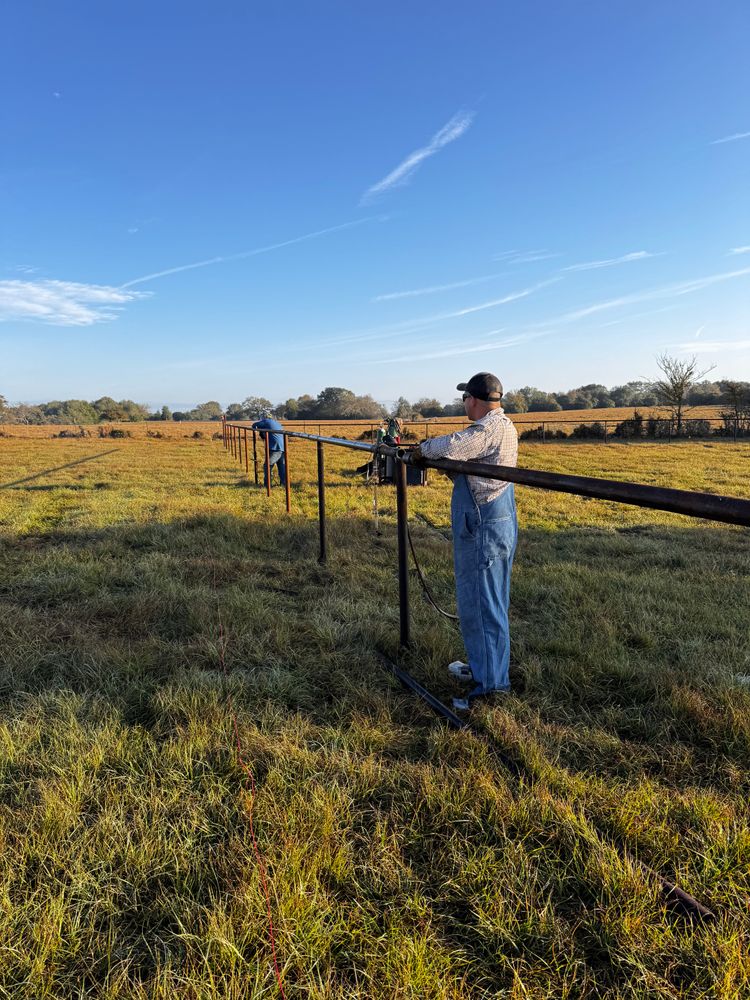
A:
(492, 440)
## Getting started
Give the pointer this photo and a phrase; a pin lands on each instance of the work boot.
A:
(461, 671)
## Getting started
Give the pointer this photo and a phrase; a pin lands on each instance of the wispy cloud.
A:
(420, 323)
(402, 174)
(610, 262)
(640, 315)
(251, 253)
(736, 250)
(665, 292)
(714, 346)
(699, 331)
(731, 138)
(25, 269)
(524, 256)
(412, 293)
(455, 350)
(62, 303)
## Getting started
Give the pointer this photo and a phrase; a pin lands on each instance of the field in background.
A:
(347, 428)
(403, 861)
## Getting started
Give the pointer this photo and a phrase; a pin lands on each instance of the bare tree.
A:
(678, 377)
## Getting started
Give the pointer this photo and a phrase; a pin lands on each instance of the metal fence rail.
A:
(710, 506)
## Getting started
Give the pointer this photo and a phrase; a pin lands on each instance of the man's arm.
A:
(462, 446)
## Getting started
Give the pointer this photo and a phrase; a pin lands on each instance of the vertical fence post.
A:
(322, 505)
(224, 431)
(239, 443)
(286, 474)
(736, 421)
(255, 455)
(605, 431)
(544, 432)
(402, 515)
(247, 464)
(268, 463)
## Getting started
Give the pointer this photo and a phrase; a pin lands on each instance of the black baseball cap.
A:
(483, 385)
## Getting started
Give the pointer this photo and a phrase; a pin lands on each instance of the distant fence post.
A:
(255, 455)
(605, 431)
(286, 474)
(544, 432)
(402, 514)
(247, 463)
(268, 463)
(322, 504)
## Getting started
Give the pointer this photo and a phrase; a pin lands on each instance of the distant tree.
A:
(428, 407)
(705, 394)
(166, 413)
(366, 408)
(207, 411)
(133, 411)
(107, 409)
(25, 414)
(178, 415)
(454, 409)
(402, 408)
(334, 403)
(255, 406)
(737, 416)
(537, 400)
(672, 389)
(235, 411)
(306, 406)
(69, 411)
(287, 410)
(514, 402)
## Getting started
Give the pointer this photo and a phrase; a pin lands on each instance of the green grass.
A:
(404, 861)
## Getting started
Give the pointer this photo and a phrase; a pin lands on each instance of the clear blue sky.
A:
(560, 188)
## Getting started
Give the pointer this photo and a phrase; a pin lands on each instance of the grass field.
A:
(148, 591)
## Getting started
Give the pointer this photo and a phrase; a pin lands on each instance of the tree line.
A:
(680, 385)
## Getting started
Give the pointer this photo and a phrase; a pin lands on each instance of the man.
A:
(275, 447)
(483, 519)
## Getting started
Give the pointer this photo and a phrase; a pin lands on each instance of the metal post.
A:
(255, 455)
(605, 431)
(247, 464)
(224, 431)
(286, 474)
(402, 515)
(268, 463)
(239, 443)
(322, 505)
(231, 439)
(544, 432)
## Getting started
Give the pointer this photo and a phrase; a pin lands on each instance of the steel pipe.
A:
(322, 505)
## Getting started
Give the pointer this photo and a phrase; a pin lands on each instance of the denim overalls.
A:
(484, 542)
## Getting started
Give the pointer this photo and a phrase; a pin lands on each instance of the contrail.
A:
(252, 253)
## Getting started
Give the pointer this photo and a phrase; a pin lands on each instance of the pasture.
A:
(150, 595)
